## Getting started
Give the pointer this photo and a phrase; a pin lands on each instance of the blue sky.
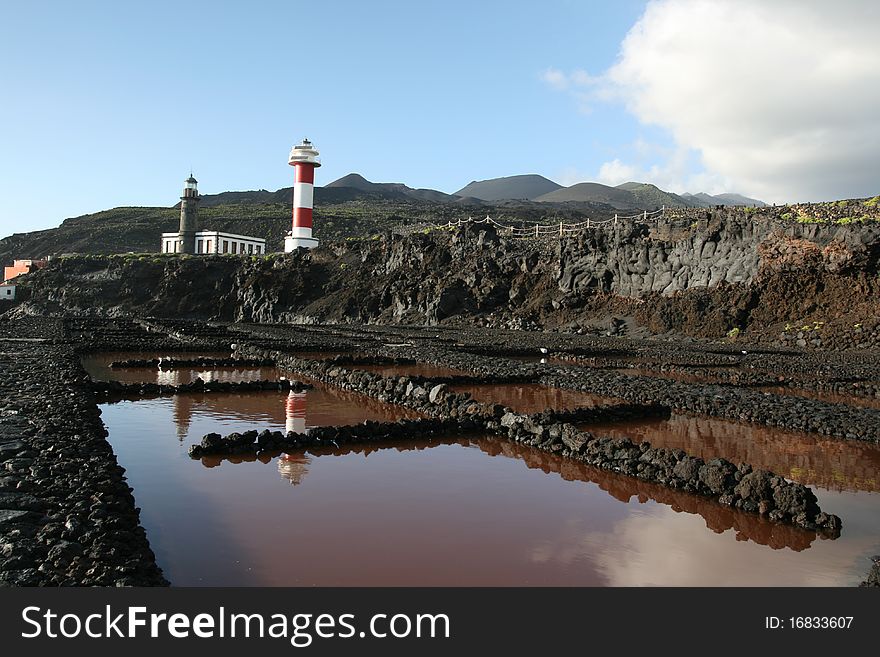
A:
(108, 104)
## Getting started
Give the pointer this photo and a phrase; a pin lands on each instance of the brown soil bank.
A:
(804, 285)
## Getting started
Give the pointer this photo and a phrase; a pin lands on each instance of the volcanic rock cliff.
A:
(724, 273)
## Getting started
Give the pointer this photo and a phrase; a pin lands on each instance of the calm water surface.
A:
(477, 511)
(811, 459)
(98, 366)
(533, 397)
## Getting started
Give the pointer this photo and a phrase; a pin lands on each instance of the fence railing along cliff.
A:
(560, 229)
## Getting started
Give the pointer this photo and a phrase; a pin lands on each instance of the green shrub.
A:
(854, 220)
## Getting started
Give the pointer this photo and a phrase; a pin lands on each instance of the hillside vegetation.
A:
(134, 229)
(343, 212)
(726, 274)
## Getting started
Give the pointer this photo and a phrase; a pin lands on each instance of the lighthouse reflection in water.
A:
(294, 467)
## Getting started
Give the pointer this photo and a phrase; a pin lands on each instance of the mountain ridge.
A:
(521, 187)
(525, 187)
(393, 190)
(591, 192)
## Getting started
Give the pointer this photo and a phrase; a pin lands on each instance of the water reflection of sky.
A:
(441, 514)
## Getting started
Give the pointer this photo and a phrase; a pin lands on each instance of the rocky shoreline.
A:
(117, 388)
(873, 578)
(176, 363)
(68, 517)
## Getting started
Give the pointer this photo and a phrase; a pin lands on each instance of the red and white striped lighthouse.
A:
(304, 158)
(295, 412)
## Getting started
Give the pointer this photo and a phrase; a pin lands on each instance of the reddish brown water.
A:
(405, 514)
(833, 397)
(811, 459)
(197, 414)
(475, 512)
(533, 397)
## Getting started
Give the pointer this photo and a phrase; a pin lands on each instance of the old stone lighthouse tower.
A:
(190, 240)
(189, 216)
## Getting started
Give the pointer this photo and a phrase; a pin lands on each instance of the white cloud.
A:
(581, 78)
(571, 176)
(561, 80)
(673, 172)
(656, 546)
(555, 78)
(616, 172)
(781, 99)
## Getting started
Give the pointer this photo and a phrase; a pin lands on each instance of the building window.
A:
(258, 249)
(198, 246)
(207, 246)
(225, 246)
(234, 248)
(250, 248)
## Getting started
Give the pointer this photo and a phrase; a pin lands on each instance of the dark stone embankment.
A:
(256, 442)
(67, 516)
(177, 363)
(873, 578)
(116, 388)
